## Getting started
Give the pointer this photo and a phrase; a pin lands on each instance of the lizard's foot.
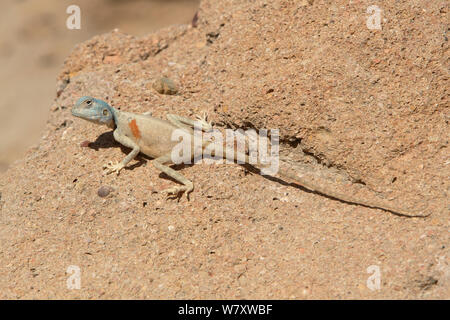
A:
(111, 167)
(203, 119)
(179, 189)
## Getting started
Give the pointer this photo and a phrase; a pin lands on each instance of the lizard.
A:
(152, 136)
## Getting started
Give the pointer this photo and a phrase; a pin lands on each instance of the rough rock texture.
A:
(365, 111)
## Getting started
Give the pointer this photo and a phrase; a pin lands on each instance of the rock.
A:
(165, 86)
(345, 122)
(104, 191)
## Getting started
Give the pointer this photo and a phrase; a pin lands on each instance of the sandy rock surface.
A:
(362, 111)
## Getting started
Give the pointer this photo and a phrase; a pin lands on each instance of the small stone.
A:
(165, 86)
(104, 191)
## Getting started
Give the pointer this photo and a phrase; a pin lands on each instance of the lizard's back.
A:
(153, 135)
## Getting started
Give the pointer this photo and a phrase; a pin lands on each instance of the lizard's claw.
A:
(111, 167)
(203, 119)
(179, 189)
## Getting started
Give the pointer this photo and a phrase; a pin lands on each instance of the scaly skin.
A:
(153, 137)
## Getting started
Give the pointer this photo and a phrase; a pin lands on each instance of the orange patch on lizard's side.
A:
(134, 129)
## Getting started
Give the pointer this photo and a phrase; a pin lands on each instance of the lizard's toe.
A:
(173, 190)
(111, 167)
(203, 119)
(179, 189)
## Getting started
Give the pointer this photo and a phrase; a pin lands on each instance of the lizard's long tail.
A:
(287, 174)
(292, 176)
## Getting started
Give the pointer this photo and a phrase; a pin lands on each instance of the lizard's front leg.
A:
(127, 142)
(187, 186)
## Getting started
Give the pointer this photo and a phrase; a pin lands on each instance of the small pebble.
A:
(104, 191)
(165, 86)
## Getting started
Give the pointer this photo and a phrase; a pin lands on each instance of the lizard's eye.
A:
(105, 112)
(88, 102)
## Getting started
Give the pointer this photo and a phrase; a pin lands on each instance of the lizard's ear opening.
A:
(107, 115)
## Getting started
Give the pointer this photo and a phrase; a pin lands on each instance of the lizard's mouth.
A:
(85, 115)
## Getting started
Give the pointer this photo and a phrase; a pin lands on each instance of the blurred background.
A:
(34, 42)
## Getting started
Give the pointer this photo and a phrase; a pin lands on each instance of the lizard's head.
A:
(94, 110)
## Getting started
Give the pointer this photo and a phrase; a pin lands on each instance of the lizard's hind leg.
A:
(188, 124)
(187, 186)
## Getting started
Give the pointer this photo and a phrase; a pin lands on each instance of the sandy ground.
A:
(362, 111)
